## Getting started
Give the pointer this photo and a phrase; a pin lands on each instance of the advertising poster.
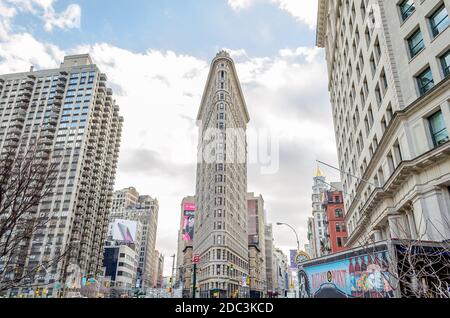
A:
(188, 222)
(293, 254)
(124, 231)
(362, 276)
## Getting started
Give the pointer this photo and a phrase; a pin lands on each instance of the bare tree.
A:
(27, 176)
(416, 268)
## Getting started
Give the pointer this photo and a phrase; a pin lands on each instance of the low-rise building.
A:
(337, 230)
(120, 267)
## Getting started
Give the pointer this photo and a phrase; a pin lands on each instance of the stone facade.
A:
(389, 85)
(220, 237)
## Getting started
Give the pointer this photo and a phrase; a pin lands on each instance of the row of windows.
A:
(425, 80)
(223, 254)
(439, 135)
(438, 20)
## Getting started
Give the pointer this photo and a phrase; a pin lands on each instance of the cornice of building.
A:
(404, 170)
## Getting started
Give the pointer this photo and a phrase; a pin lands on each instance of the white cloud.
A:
(309, 53)
(70, 18)
(304, 11)
(21, 51)
(240, 4)
(6, 14)
(67, 19)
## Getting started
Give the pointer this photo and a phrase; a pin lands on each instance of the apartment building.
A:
(220, 235)
(388, 65)
(256, 245)
(128, 204)
(73, 116)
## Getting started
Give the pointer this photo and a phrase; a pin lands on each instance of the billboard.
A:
(356, 276)
(293, 254)
(187, 228)
(124, 230)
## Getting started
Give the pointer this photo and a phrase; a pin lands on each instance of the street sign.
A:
(196, 259)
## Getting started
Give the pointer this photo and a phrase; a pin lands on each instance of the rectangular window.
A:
(439, 20)
(378, 95)
(373, 65)
(406, 8)
(438, 129)
(425, 81)
(415, 43)
(445, 61)
(384, 83)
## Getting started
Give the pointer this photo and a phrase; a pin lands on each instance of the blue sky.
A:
(157, 54)
(195, 27)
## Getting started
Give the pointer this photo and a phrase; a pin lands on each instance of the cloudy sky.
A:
(157, 55)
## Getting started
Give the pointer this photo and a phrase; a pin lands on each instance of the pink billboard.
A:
(189, 206)
(188, 221)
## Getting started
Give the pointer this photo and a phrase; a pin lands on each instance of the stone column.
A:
(397, 227)
(430, 213)
(419, 218)
(412, 224)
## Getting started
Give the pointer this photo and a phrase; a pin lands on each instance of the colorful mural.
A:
(361, 276)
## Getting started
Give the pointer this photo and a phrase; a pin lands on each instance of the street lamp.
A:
(295, 232)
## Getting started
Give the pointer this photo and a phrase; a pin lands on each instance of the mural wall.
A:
(361, 276)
